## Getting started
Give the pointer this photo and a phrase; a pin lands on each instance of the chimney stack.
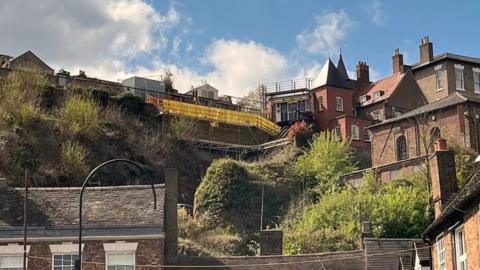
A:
(363, 75)
(426, 50)
(397, 61)
(443, 176)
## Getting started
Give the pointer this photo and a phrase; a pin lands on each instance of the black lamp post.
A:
(78, 264)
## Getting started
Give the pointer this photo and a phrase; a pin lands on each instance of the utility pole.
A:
(25, 222)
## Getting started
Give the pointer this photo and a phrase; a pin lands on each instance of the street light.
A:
(78, 264)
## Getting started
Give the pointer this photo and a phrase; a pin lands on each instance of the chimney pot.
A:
(441, 145)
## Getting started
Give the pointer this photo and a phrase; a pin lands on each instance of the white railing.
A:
(297, 84)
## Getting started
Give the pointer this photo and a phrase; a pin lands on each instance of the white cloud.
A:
(329, 31)
(96, 35)
(378, 14)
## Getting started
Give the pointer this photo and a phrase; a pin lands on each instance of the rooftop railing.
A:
(283, 86)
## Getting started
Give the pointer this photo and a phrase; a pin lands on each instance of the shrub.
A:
(131, 104)
(227, 195)
(180, 126)
(74, 160)
(80, 115)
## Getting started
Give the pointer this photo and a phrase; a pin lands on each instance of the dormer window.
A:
(377, 95)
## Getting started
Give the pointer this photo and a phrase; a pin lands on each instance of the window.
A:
(441, 253)
(292, 111)
(366, 135)
(339, 104)
(320, 104)
(439, 77)
(460, 252)
(396, 113)
(363, 100)
(459, 77)
(337, 131)
(302, 105)
(283, 112)
(355, 135)
(64, 261)
(476, 80)
(121, 261)
(11, 262)
(376, 115)
(402, 148)
(377, 95)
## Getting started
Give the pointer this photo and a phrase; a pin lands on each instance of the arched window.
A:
(402, 152)
(434, 136)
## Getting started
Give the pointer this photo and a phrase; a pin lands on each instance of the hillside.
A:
(60, 135)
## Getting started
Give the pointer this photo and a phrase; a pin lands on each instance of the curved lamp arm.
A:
(84, 185)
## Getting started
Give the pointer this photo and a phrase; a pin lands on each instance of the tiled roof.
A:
(102, 206)
(387, 85)
(329, 75)
(423, 252)
(459, 203)
(389, 253)
(450, 100)
(445, 56)
(341, 68)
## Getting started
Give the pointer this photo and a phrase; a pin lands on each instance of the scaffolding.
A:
(213, 114)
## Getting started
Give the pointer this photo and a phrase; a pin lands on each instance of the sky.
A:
(234, 45)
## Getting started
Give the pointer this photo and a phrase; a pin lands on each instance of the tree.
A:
(168, 81)
(325, 162)
(395, 210)
(253, 99)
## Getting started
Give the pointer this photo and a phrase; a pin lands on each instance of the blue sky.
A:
(234, 45)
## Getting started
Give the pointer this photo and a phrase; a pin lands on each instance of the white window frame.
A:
(13, 250)
(320, 103)
(19, 256)
(460, 245)
(337, 131)
(67, 248)
(62, 254)
(462, 79)
(476, 80)
(439, 77)
(339, 104)
(441, 252)
(376, 95)
(121, 252)
(120, 247)
(355, 132)
(363, 100)
(376, 115)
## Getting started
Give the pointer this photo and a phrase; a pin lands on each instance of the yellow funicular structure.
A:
(213, 114)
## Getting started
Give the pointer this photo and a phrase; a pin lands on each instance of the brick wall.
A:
(472, 242)
(453, 125)
(350, 260)
(271, 242)
(149, 252)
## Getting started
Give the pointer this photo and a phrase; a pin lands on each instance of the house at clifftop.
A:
(335, 102)
(121, 229)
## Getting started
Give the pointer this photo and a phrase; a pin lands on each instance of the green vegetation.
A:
(334, 223)
(80, 115)
(325, 161)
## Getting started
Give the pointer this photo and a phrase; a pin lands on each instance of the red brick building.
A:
(335, 102)
(115, 232)
(454, 234)
(412, 134)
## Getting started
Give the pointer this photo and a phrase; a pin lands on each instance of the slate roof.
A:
(461, 201)
(445, 56)
(329, 75)
(387, 85)
(102, 207)
(389, 253)
(341, 68)
(450, 100)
